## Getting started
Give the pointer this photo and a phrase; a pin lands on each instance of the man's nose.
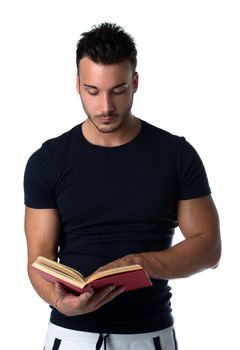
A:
(107, 104)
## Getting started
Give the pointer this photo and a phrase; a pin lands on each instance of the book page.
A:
(54, 265)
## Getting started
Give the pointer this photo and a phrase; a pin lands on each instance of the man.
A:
(109, 193)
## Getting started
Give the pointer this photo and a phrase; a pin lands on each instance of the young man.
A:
(109, 193)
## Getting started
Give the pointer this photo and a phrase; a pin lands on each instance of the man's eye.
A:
(119, 91)
(92, 92)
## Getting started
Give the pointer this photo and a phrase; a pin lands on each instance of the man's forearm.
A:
(190, 256)
(45, 290)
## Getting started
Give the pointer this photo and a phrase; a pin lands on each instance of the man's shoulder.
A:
(163, 136)
(56, 148)
(61, 141)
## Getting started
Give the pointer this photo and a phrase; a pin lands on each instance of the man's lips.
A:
(107, 118)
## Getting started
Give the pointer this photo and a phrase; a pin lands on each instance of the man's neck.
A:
(127, 132)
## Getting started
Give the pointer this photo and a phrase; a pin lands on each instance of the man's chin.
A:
(107, 129)
(108, 126)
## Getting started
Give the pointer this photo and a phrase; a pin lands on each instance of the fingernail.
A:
(90, 291)
(112, 288)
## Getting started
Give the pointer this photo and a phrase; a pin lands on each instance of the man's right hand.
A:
(74, 305)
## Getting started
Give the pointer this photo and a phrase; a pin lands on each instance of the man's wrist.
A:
(141, 259)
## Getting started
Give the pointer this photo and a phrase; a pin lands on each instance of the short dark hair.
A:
(107, 43)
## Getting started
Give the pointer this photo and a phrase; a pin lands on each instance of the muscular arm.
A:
(200, 249)
(42, 227)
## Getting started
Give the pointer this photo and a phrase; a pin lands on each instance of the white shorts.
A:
(67, 339)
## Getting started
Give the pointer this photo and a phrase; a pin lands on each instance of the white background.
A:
(189, 85)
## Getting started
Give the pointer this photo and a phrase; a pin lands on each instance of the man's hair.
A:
(107, 43)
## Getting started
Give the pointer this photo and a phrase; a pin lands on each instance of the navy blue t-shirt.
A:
(115, 201)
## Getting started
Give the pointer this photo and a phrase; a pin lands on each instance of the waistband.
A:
(72, 335)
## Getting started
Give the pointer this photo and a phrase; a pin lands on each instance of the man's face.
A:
(106, 92)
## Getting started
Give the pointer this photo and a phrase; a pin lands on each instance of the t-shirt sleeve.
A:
(193, 181)
(39, 188)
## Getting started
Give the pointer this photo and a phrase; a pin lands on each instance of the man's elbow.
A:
(215, 256)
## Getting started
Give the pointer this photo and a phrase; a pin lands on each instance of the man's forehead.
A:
(97, 75)
(87, 66)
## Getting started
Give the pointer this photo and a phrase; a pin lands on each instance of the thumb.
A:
(60, 291)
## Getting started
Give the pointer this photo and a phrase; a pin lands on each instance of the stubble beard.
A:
(108, 127)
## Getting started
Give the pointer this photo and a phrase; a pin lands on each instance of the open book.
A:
(131, 276)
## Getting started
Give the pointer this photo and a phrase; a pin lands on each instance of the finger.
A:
(112, 294)
(84, 297)
(102, 293)
(115, 292)
(90, 300)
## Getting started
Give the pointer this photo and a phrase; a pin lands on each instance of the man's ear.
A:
(78, 83)
(135, 82)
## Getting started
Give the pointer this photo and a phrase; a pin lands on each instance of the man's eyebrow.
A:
(120, 85)
(90, 86)
(114, 87)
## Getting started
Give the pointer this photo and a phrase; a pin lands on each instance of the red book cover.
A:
(129, 279)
